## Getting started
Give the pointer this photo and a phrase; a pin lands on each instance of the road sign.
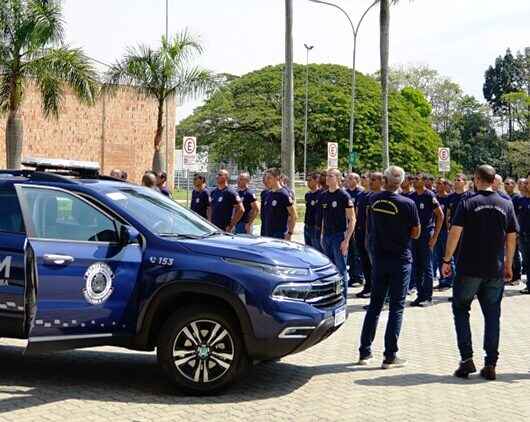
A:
(444, 159)
(189, 152)
(333, 154)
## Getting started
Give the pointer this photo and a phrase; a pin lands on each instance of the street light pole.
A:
(288, 100)
(355, 30)
(308, 49)
(167, 117)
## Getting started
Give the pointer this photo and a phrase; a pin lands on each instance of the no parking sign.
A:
(444, 160)
(333, 154)
(189, 152)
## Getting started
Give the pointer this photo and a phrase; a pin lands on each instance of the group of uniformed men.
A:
(391, 233)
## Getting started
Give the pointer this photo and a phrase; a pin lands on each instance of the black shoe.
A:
(466, 367)
(364, 360)
(525, 291)
(363, 295)
(393, 363)
(356, 282)
(450, 299)
(416, 303)
(366, 307)
(488, 373)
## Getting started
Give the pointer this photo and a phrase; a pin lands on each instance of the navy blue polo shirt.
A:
(334, 205)
(318, 213)
(354, 193)
(311, 205)
(361, 205)
(223, 201)
(275, 211)
(453, 200)
(200, 201)
(514, 198)
(248, 197)
(426, 203)
(391, 218)
(523, 214)
(444, 203)
(486, 218)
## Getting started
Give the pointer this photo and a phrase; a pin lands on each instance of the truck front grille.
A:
(326, 292)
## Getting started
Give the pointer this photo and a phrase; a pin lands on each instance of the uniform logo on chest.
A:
(334, 204)
(313, 202)
(220, 199)
(197, 200)
(274, 202)
(422, 206)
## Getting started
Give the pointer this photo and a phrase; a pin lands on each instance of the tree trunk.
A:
(158, 158)
(384, 22)
(14, 139)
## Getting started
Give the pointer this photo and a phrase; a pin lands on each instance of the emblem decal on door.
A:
(5, 268)
(98, 286)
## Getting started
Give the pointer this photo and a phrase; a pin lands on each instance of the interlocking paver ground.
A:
(320, 384)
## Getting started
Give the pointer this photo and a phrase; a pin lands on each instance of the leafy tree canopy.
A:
(242, 121)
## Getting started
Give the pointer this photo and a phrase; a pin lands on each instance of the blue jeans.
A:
(366, 264)
(489, 292)
(354, 262)
(331, 245)
(422, 256)
(524, 246)
(438, 255)
(240, 228)
(391, 277)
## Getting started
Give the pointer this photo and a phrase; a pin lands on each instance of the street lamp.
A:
(308, 49)
(355, 30)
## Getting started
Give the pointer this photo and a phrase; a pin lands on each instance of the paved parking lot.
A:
(319, 384)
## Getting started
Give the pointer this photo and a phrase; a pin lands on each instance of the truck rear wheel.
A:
(200, 349)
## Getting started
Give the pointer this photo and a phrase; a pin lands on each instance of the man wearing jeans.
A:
(393, 221)
(338, 221)
(487, 224)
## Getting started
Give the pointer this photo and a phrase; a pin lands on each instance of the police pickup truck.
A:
(87, 260)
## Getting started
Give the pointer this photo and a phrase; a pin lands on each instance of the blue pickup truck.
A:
(87, 260)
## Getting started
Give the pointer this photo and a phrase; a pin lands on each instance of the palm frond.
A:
(193, 82)
(48, 24)
(64, 65)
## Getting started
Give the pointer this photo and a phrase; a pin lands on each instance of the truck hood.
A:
(258, 249)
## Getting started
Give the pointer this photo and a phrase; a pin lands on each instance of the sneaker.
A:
(416, 303)
(465, 368)
(365, 360)
(393, 363)
(426, 303)
(356, 282)
(488, 373)
(363, 295)
(525, 291)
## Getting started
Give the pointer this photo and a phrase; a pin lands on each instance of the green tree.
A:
(518, 156)
(32, 49)
(242, 121)
(162, 74)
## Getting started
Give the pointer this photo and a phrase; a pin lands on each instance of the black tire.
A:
(204, 337)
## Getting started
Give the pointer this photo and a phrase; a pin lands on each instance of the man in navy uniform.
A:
(317, 240)
(523, 216)
(262, 199)
(488, 227)
(227, 208)
(338, 222)
(355, 269)
(311, 206)
(393, 220)
(200, 197)
(250, 204)
(431, 219)
(375, 184)
(439, 249)
(279, 213)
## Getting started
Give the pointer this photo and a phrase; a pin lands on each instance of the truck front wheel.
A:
(200, 349)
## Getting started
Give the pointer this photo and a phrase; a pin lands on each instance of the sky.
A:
(459, 38)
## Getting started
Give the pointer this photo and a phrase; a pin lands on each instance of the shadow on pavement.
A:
(409, 380)
(130, 378)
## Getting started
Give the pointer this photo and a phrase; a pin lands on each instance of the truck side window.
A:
(11, 216)
(59, 215)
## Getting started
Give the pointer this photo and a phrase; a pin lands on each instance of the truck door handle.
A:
(50, 259)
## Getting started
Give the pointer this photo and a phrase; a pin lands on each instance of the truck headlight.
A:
(271, 269)
(291, 291)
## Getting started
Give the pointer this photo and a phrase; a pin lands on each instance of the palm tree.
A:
(32, 50)
(162, 74)
(384, 31)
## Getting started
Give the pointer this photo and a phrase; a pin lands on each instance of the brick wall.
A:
(117, 132)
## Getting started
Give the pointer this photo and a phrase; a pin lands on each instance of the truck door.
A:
(85, 277)
(12, 281)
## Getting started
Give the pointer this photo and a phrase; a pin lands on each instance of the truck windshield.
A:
(160, 214)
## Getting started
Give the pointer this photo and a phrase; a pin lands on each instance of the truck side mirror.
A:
(129, 235)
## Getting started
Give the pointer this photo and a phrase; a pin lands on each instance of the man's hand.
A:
(248, 228)
(344, 247)
(288, 236)
(446, 270)
(432, 242)
(508, 273)
(230, 228)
